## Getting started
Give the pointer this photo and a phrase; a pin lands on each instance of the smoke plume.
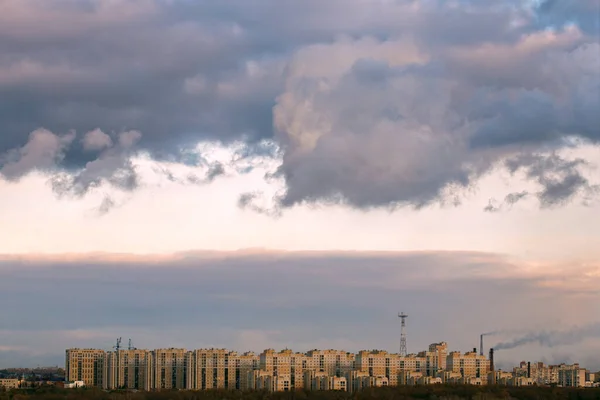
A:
(553, 338)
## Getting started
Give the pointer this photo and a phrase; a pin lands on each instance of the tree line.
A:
(428, 392)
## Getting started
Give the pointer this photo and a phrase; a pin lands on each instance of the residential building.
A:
(571, 375)
(9, 384)
(288, 363)
(169, 368)
(216, 369)
(469, 364)
(378, 363)
(128, 369)
(85, 365)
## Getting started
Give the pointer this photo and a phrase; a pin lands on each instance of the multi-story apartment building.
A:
(333, 362)
(379, 363)
(218, 369)
(571, 375)
(469, 364)
(248, 362)
(412, 363)
(128, 369)
(286, 362)
(539, 372)
(86, 365)
(169, 368)
(436, 357)
(322, 381)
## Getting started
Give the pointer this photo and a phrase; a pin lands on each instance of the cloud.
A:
(246, 299)
(107, 204)
(113, 166)
(509, 201)
(375, 130)
(559, 178)
(96, 140)
(374, 105)
(43, 150)
(258, 203)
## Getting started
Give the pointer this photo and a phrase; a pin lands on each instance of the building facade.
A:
(85, 365)
(170, 368)
(469, 364)
(128, 369)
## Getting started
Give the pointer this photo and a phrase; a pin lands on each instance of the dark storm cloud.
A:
(192, 299)
(129, 66)
(374, 104)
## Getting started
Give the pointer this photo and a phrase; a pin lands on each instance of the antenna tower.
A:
(403, 317)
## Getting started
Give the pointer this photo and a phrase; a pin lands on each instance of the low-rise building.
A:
(74, 385)
(10, 384)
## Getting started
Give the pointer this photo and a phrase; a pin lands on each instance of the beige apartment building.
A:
(436, 358)
(412, 363)
(571, 375)
(219, 369)
(248, 362)
(86, 365)
(288, 363)
(314, 380)
(170, 368)
(539, 372)
(10, 384)
(333, 362)
(379, 363)
(469, 364)
(128, 369)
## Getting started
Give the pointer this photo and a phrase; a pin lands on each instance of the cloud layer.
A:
(371, 104)
(249, 300)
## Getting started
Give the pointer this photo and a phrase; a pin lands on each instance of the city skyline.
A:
(246, 174)
(192, 301)
(220, 368)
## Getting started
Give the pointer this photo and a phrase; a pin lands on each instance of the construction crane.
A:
(117, 347)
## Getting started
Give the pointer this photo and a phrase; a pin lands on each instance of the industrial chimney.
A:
(481, 345)
(492, 369)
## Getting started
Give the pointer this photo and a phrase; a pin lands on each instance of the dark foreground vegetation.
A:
(438, 392)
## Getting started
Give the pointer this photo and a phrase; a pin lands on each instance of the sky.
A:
(293, 174)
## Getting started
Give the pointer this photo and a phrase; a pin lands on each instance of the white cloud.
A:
(96, 140)
(42, 152)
